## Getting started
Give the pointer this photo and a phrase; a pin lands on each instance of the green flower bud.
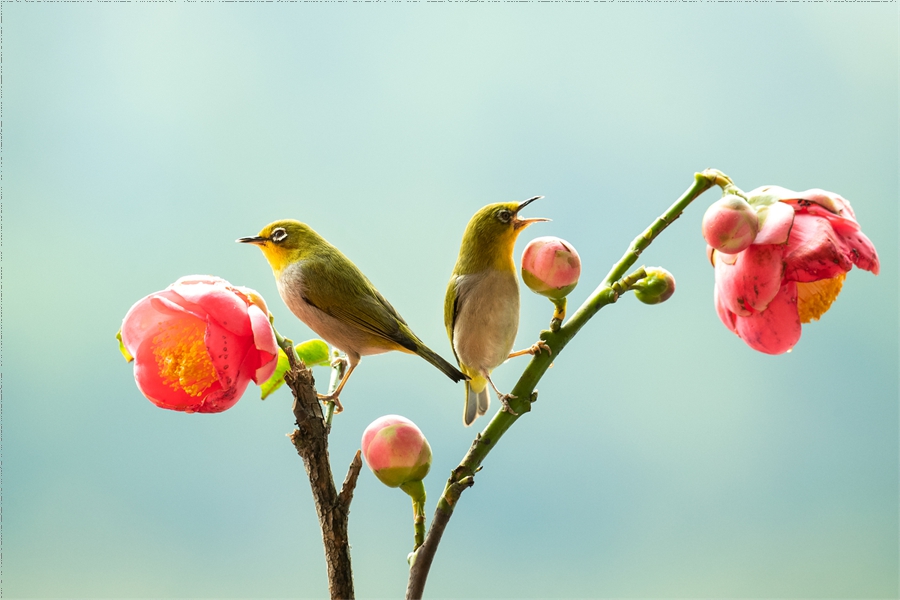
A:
(658, 286)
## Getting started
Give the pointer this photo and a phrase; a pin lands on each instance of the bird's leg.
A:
(333, 397)
(536, 348)
(503, 398)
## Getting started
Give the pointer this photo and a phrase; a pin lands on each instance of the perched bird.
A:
(331, 295)
(481, 309)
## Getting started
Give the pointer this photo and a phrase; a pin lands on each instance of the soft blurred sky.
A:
(664, 457)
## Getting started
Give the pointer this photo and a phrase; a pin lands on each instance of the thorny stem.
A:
(524, 391)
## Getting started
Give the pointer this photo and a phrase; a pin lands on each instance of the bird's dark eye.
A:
(278, 235)
(504, 215)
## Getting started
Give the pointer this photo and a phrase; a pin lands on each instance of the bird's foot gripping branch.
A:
(780, 260)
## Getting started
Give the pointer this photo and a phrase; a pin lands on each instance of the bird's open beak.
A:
(522, 223)
(259, 241)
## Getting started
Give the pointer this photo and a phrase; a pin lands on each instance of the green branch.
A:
(524, 391)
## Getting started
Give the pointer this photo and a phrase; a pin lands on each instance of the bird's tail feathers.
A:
(477, 399)
(446, 368)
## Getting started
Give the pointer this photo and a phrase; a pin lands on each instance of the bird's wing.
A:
(368, 310)
(451, 309)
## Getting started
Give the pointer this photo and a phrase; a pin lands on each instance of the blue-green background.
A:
(664, 457)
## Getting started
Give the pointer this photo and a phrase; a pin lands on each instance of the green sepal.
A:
(761, 200)
(122, 347)
(762, 214)
(539, 287)
(274, 382)
(313, 353)
(416, 491)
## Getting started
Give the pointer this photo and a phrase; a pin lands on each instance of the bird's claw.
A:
(504, 400)
(337, 361)
(540, 346)
(338, 407)
(535, 349)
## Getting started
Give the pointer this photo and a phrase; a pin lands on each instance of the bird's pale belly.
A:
(488, 319)
(342, 336)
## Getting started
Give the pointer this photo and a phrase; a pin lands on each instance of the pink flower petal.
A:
(203, 279)
(776, 220)
(151, 384)
(264, 344)
(253, 297)
(815, 251)
(145, 316)
(776, 329)
(827, 201)
(227, 352)
(772, 190)
(726, 316)
(862, 252)
(753, 281)
(168, 302)
(219, 301)
(225, 398)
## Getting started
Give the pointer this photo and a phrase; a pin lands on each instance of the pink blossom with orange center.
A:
(198, 343)
(550, 267)
(793, 270)
(396, 451)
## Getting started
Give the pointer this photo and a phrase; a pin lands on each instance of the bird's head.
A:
(283, 242)
(493, 230)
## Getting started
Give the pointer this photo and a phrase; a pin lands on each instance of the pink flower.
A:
(396, 451)
(550, 267)
(198, 343)
(794, 269)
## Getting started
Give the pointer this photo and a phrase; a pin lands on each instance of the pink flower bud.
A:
(396, 451)
(730, 225)
(657, 287)
(550, 267)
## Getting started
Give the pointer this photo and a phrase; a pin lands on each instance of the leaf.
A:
(123, 349)
(313, 353)
(274, 382)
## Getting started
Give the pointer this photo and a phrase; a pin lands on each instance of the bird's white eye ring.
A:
(278, 235)
(504, 215)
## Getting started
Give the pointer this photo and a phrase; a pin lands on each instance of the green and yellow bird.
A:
(481, 309)
(325, 290)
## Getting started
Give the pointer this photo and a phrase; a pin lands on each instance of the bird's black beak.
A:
(259, 241)
(522, 223)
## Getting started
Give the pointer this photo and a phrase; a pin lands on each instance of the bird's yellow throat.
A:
(278, 258)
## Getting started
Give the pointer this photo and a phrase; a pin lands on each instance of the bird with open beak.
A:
(481, 308)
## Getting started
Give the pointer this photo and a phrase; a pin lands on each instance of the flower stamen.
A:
(815, 298)
(181, 356)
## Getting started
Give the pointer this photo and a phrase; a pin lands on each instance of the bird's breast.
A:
(487, 318)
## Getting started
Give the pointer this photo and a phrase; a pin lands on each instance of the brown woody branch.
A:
(333, 508)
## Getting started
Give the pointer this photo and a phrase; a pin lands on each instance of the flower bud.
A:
(550, 267)
(730, 225)
(658, 286)
(396, 451)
